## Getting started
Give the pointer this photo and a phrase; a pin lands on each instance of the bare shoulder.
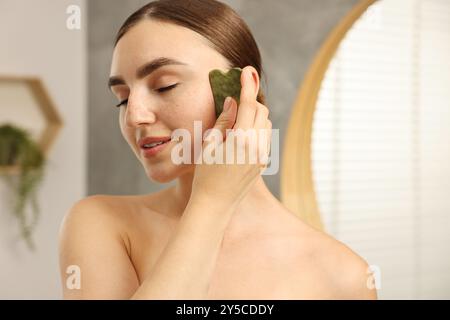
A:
(340, 271)
(104, 213)
(93, 239)
(348, 272)
(108, 208)
(93, 210)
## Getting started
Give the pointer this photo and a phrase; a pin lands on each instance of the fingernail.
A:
(227, 104)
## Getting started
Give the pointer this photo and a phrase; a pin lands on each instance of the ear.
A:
(255, 77)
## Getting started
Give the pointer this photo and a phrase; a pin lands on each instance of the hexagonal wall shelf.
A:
(26, 103)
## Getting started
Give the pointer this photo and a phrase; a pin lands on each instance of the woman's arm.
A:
(90, 240)
(185, 267)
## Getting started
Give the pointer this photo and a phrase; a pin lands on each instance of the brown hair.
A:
(221, 25)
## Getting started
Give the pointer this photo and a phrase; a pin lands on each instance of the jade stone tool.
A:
(224, 85)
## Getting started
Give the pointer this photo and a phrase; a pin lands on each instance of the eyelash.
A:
(160, 90)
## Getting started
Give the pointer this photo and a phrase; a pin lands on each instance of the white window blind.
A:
(381, 145)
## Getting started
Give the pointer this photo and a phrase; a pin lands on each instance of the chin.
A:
(165, 175)
(160, 176)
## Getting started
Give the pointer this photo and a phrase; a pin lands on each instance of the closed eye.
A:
(167, 88)
(161, 90)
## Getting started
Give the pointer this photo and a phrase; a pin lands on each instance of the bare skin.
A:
(200, 239)
(279, 257)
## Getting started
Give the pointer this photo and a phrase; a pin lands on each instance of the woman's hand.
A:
(229, 182)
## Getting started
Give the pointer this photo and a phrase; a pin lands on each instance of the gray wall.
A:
(288, 32)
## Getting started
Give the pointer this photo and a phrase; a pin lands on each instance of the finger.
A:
(267, 135)
(225, 120)
(269, 141)
(260, 127)
(247, 107)
(262, 114)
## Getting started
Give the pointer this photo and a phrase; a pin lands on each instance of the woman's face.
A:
(151, 111)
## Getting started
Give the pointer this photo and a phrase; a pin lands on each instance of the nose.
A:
(138, 112)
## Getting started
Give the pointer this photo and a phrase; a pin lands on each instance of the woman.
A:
(219, 233)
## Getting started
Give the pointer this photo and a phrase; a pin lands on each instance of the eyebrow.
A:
(146, 70)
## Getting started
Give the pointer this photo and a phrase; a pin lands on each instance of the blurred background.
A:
(380, 138)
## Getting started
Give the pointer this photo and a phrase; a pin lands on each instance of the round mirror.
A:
(371, 127)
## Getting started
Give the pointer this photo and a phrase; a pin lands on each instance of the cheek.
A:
(196, 105)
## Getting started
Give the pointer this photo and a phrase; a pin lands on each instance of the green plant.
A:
(17, 149)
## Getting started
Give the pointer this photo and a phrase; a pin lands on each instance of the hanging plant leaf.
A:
(17, 149)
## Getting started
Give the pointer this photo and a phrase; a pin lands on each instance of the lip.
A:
(151, 152)
(148, 140)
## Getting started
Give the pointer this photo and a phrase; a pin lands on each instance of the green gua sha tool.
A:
(225, 85)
